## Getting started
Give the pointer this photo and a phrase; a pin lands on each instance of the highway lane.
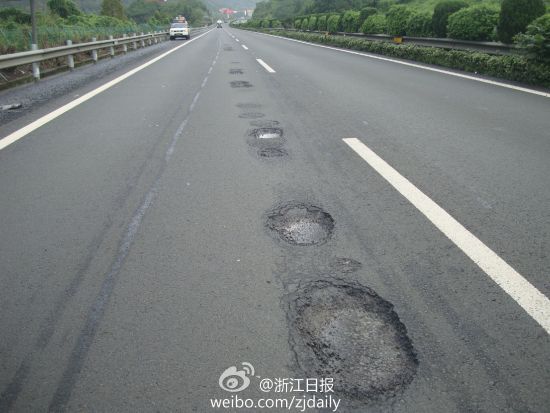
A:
(137, 264)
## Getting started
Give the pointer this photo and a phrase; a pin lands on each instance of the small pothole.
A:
(251, 115)
(301, 224)
(347, 332)
(236, 71)
(240, 83)
(267, 133)
(264, 123)
(272, 152)
(249, 105)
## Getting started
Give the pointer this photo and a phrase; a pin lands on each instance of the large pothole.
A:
(301, 224)
(345, 331)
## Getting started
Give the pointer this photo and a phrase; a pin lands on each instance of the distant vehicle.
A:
(179, 30)
(219, 24)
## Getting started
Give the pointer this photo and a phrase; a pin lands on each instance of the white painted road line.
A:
(236, 40)
(18, 134)
(244, 47)
(536, 304)
(419, 66)
(265, 66)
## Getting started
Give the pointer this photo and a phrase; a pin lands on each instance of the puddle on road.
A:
(301, 224)
(267, 133)
(240, 83)
(347, 332)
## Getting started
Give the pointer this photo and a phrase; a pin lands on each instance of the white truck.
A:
(179, 28)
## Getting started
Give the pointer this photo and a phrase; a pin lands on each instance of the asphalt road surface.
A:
(375, 234)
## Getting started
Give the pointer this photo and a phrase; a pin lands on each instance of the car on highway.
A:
(179, 30)
(219, 24)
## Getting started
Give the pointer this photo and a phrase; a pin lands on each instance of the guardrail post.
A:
(111, 49)
(149, 41)
(155, 37)
(94, 52)
(70, 58)
(142, 41)
(124, 46)
(36, 65)
(134, 43)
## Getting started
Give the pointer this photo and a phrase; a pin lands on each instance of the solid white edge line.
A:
(418, 66)
(20, 133)
(265, 66)
(536, 304)
(244, 47)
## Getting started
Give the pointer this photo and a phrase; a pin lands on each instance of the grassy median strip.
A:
(514, 67)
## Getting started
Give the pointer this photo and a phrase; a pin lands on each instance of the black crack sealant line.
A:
(96, 312)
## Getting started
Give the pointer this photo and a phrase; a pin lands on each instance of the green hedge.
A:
(322, 23)
(442, 11)
(375, 24)
(397, 18)
(419, 25)
(515, 68)
(536, 39)
(515, 15)
(333, 23)
(312, 24)
(473, 23)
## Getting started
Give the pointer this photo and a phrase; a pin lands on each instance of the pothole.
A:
(251, 115)
(272, 152)
(264, 123)
(249, 105)
(345, 265)
(240, 83)
(347, 332)
(267, 133)
(236, 71)
(301, 224)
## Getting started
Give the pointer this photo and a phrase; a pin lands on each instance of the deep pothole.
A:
(347, 332)
(240, 83)
(236, 71)
(272, 152)
(301, 224)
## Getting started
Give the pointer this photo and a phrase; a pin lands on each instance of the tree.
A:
(536, 39)
(113, 8)
(473, 23)
(515, 15)
(442, 11)
(63, 8)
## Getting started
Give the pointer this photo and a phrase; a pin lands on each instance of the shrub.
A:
(396, 19)
(297, 24)
(350, 21)
(442, 11)
(322, 23)
(266, 24)
(276, 24)
(333, 23)
(515, 15)
(365, 13)
(473, 23)
(375, 24)
(536, 39)
(63, 8)
(305, 24)
(419, 24)
(312, 25)
(15, 15)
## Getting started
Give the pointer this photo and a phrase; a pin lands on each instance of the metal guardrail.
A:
(34, 57)
(487, 47)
